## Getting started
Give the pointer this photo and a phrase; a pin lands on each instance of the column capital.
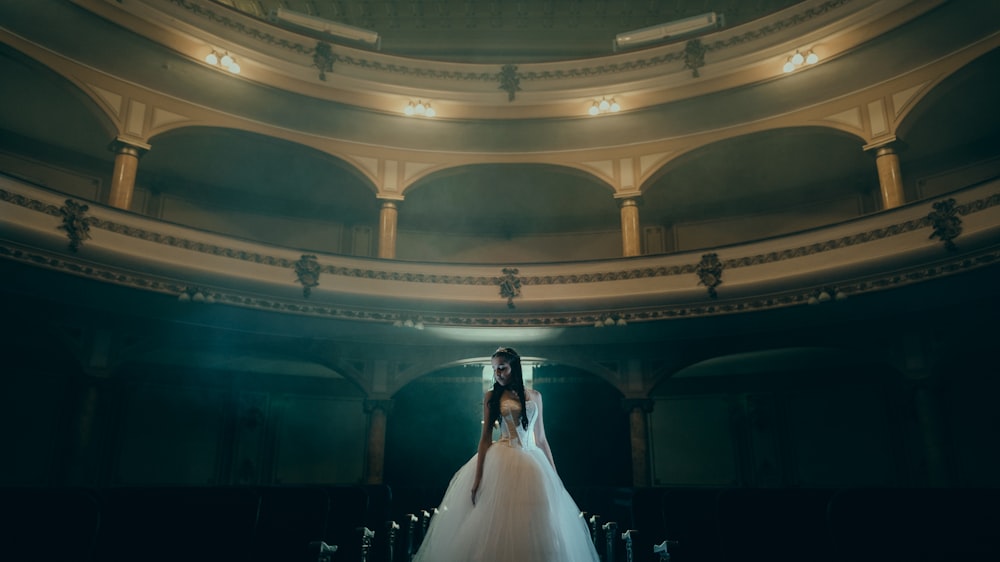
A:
(128, 146)
(888, 145)
(629, 199)
(384, 404)
(643, 404)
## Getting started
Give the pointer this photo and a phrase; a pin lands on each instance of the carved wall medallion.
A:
(323, 59)
(75, 223)
(694, 56)
(307, 269)
(710, 273)
(510, 82)
(946, 223)
(510, 285)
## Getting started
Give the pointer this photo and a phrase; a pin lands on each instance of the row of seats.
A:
(365, 523)
(820, 525)
(265, 524)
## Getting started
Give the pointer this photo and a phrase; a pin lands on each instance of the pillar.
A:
(92, 390)
(126, 166)
(81, 463)
(387, 219)
(890, 177)
(927, 406)
(378, 412)
(638, 410)
(631, 243)
(914, 360)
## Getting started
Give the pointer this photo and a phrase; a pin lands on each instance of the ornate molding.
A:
(710, 273)
(598, 68)
(75, 222)
(473, 280)
(694, 56)
(510, 285)
(583, 318)
(307, 270)
(510, 81)
(946, 223)
(323, 59)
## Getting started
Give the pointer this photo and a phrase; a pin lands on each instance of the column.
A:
(638, 410)
(378, 411)
(126, 165)
(914, 360)
(926, 404)
(631, 243)
(92, 391)
(81, 463)
(387, 219)
(890, 177)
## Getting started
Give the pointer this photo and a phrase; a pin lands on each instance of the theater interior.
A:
(256, 255)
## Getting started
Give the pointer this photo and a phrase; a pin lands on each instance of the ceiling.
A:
(528, 30)
(44, 113)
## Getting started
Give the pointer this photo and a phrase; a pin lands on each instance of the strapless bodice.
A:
(512, 433)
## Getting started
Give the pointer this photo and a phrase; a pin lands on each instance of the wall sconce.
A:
(610, 320)
(605, 105)
(225, 60)
(419, 108)
(417, 324)
(826, 295)
(798, 59)
(196, 294)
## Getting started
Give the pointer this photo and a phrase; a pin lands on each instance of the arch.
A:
(509, 197)
(451, 397)
(432, 173)
(955, 120)
(757, 173)
(45, 98)
(235, 169)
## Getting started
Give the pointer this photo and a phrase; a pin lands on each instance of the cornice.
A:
(878, 252)
(730, 58)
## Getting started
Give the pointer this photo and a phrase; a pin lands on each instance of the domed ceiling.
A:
(489, 30)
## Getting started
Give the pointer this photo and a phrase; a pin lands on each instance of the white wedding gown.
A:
(523, 513)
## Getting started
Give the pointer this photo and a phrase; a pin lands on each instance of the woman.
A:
(507, 504)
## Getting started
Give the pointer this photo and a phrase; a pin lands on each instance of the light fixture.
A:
(669, 30)
(610, 320)
(196, 294)
(409, 322)
(328, 27)
(225, 60)
(798, 59)
(420, 107)
(604, 105)
(826, 294)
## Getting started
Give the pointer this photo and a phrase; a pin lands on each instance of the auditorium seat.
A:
(690, 519)
(44, 524)
(918, 525)
(182, 523)
(780, 525)
(348, 509)
(288, 520)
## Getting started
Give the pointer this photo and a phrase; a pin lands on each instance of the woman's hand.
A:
(475, 489)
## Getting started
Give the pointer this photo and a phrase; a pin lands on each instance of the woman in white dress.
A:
(508, 504)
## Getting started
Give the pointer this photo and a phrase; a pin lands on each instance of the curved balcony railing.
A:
(957, 232)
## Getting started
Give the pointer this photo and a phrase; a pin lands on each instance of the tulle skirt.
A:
(523, 513)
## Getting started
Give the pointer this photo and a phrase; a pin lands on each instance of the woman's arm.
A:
(540, 439)
(485, 440)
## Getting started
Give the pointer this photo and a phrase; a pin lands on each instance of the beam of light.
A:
(496, 336)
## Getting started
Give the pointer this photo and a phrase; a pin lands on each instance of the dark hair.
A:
(516, 384)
